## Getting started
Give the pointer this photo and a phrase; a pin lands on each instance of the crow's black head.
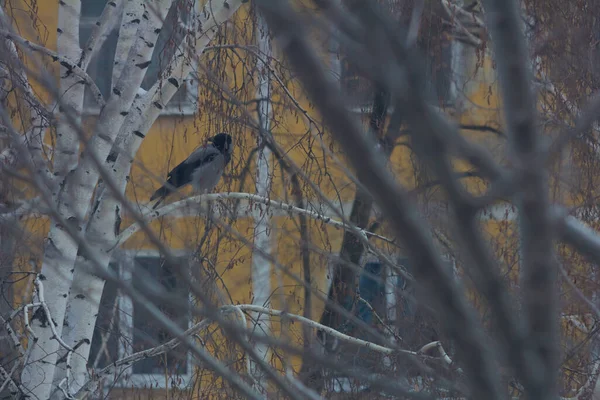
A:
(223, 142)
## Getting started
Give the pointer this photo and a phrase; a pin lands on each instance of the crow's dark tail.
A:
(159, 202)
(160, 194)
(163, 191)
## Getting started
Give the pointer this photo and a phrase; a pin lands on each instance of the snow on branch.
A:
(8, 380)
(127, 362)
(343, 336)
(42, 312)
(184, 205)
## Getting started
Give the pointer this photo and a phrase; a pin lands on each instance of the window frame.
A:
(342, 383)
(392, 288)
(454, 52)
(129, 379)
(172, 108)
(89, 22)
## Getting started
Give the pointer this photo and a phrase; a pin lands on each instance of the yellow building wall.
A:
(172, 138)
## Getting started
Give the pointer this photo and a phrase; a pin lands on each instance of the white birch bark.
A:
(74, 199)
(71, 88)
(112, 11)
(60, 248)
(86, 290)
(145, 109)
(205, 26)
(261, 267)
(132, 11)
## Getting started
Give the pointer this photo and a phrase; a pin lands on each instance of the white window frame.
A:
(129, 379)
(456, 61)
(452, 261)
(390, 277)
(188, 108)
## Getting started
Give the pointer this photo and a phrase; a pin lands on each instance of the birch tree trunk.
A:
(128, 115)
(78, 184)
(132, 10)
(60, 249)
(86, 290)
(261, 267)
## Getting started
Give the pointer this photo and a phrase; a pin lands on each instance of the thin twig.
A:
(71, 66)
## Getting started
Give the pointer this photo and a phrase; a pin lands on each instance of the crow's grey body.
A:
(202, 169)
(207, 175)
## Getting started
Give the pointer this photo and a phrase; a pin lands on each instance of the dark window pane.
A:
(107, 328)
(371, 290)
(438, 73)
(147, 333)
(92, 8)
(357, 89)
(435, 45)
(101, 65)
(169, 39)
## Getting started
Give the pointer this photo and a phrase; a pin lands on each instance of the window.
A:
(372, 291)
(123, 328)
(104, 347)
(101, 66)
(146, 333)
(398, 291)
(437, 48)
(391, 297)
(435, 41)
(356, 88)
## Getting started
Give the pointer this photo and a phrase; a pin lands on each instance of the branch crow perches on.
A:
(202, 169)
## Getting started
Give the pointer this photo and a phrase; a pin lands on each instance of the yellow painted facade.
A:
(173, 137)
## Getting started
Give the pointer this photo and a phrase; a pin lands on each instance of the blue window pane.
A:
(92, 8)
(371, 289)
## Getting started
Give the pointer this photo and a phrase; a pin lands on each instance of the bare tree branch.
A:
(539, 267)
(70, 65)
(430, 271)
(186, 206)
(105, 23)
